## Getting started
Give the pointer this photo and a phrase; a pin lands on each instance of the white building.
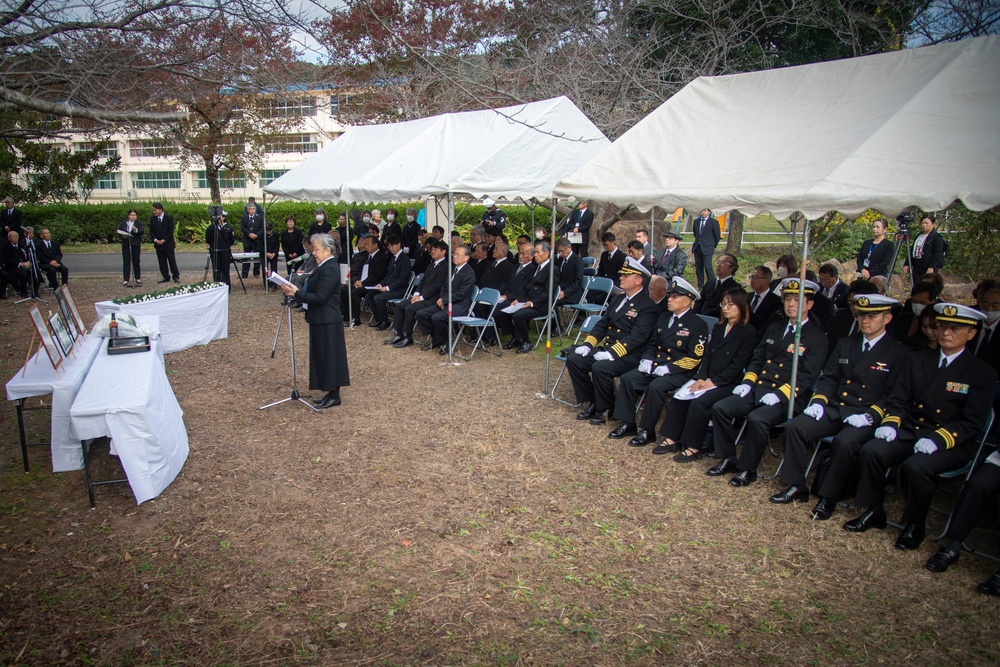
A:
(149, 167)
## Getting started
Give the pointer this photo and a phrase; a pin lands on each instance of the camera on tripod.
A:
(215, 213)
(903, 221)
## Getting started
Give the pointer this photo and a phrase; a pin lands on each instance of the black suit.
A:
(497, 276)
(932, 256)
(378, 267)
(131, 245)
(433, 287)
(945, 405)
(707, 235)
(518, 281)
(853, 382)
(435, 320)
(679, 347)
(838, 297)
(291, 245)
(46, 255)
(535, 290)
(723, 364)
(397, 278)
(623, 331)
(769, 371)
(582, 219)
(162, 229)
(12, 255)
(327, 350)
(410, 237)
(609, 266)
(875, 258)
(252, 224)
(220, 241)
(766, 307)
(569, 275)
(12, 221)
(711, 295)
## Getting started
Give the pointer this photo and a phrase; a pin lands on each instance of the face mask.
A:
(992, 315)
(390, 217)
(366, 219)
(411, 218)
(782, 272)
(539, 235)
(918, 308)
(320, 218)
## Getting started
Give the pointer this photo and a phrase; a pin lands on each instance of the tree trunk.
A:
(212, 176)
(734, 234)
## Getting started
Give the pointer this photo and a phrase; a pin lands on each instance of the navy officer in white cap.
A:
(851, 398)
(937, 409)
(670, 359)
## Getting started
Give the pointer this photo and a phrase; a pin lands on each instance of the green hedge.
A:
(96, 223)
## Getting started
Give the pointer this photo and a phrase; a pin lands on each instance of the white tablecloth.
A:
(185, 321)
(128, 398)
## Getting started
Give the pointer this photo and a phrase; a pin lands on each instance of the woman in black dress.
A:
(327, 350)
(875, 253)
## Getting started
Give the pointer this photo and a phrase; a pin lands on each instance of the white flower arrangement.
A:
(193, 288)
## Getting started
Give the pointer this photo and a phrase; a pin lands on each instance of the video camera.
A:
(216, 213)
(903, 221)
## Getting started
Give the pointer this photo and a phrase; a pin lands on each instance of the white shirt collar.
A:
(873, 342)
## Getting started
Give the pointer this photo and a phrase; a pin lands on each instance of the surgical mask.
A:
(539, 235)
(411, 218)
(320, 218)
(992, 315)
(366, 219)
(918, 308)
(782, 272)
(391, 217)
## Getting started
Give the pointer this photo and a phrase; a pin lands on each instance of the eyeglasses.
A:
(727, 304)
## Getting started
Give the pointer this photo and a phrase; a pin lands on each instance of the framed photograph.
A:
(49, 343)
(67, 315)
(74, 311)
(60, 330)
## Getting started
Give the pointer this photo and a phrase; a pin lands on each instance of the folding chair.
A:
(540, 329)
(967, 471)
(415, 280)
(585, 329)
(589, 271)
(589, 262)
(596, 286)
(710, 321)
(489, 297)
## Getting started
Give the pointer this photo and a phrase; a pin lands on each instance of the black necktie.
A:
(944, 362)
(866, 348)
(753, 303)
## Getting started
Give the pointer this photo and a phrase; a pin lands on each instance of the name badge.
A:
(957, 387)
(843, 361)
(770, 342)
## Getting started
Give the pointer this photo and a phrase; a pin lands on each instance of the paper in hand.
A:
(278, 279)
(685, 393)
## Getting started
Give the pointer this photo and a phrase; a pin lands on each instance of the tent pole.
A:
(450, 211)
(652, 232)
(548, 322)
(350, 284)
(798, 319)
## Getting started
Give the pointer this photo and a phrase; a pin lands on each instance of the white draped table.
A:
(186, 320)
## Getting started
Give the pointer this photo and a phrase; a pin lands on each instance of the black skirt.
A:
(327, 357)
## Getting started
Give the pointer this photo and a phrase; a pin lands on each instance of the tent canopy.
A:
(519, 151)
(916, 127)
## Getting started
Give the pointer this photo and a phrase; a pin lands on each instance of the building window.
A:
(291, 143)
(289, 108)
(151, 148)
(270, 175)
(156, 180)
(334, 104)
(109, 181)
(109, 149)
(226, 182)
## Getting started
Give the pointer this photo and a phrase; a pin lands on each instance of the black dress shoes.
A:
(442, 349)
(743, 478)
(383, 326)
(165, 280)
(587, 412)
(680, 457)
(642, 438)
(824, 509)
(403, 342)
(426, 346)
(869, 519)
(624, 429)
(392, 341)
(991, 586)
(512, 344)
(600, 418)
(790, 495)
(942, 560)
(177, 279)
(374, 324)
(329, 401)
(911, 537)
(721, 468)
(525, 348)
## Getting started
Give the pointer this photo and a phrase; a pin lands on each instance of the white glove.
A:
(603, 356)
(741, 389)
(886, 433)
(583, 350)
(815, 411)
(770, 399)
(859, 421)
(646, 366)
(925, 446)
(661, 371)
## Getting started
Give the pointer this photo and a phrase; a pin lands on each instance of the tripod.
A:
(34, 276)
(902, 240)
(286, 311)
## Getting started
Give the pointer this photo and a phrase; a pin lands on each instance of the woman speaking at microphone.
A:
(321, 297)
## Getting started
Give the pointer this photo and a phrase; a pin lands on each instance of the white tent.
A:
(518, 151)
(915, 127)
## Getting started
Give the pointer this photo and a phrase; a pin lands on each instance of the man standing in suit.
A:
(614, 346)
(578, 222)
(937, 409)
(850, 397)
(11, 218)
(161, 229)
(723, 280)
(434, 285)
(707, 235)
(833, 288)
(392, 287)
(763, 301)
(219, 236)
(252, 228)
(435, 321)
(50, 259)
(672, 259)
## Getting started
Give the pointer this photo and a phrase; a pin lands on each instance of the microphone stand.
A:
(286, 312)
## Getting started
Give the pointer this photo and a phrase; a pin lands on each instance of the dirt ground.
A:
(443, 515)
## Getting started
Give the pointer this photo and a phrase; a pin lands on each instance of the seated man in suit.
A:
(834, 288)
(723, 280)
(532, 301)
(611, 260)
(523, 272)
(670, 262)
(763, 301)
(15, 265)
(569, 274)
(635, 251)
(850, 397)
(480, 259)
(937, 408)
(433, 287)
(614, 346)
(397, 277)
(500, 270)
(371, 273)
(763, 396)
(434, 321)
(670, 359)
